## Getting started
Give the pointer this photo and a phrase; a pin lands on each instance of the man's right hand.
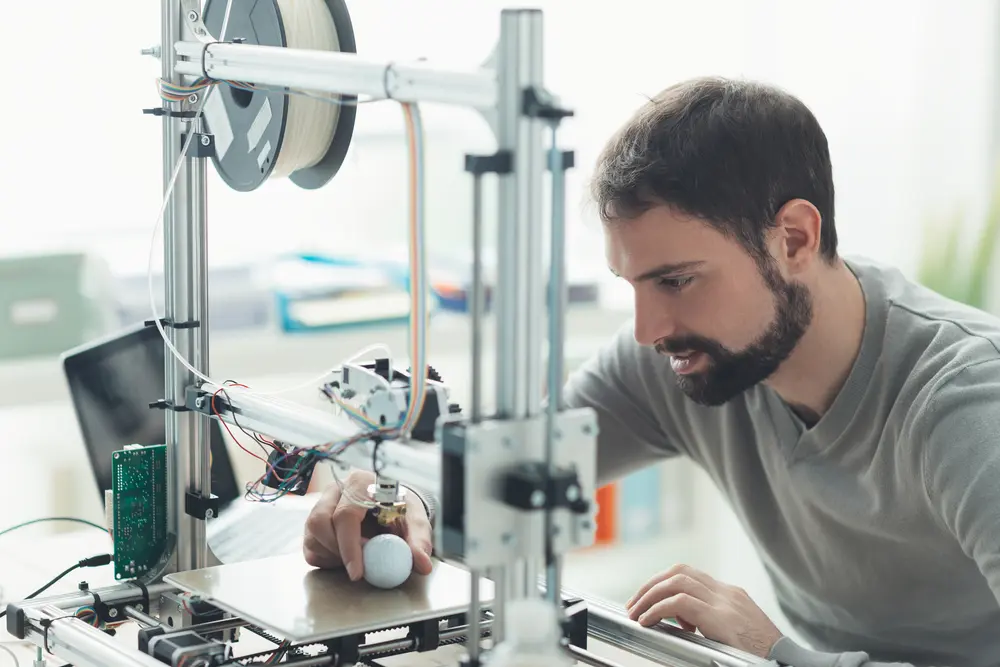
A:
(337, 529)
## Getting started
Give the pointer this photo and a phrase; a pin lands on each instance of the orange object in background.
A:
(607, 514)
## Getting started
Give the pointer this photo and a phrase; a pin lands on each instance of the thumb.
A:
(422, 546)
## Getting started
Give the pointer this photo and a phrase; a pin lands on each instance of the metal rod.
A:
(344, 73)
(664, 645)
(410, 643)
(111, 594)
(588, 658)
(472, 645)
(476, 298)
(141, 617)
(557, 318)
(83, 645)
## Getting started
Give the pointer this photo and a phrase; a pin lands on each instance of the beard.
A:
(729, 373)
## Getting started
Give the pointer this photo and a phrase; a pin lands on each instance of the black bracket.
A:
(540, 103)
(426, 635)
(501, 162)
(167, 322)
(346, 649)
(202, 145)
(201, 507)
(164, 404)
(529, 486)
(576, 623)
(160, 111)
(568, 161)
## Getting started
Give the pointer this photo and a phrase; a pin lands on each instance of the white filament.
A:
(311, 120)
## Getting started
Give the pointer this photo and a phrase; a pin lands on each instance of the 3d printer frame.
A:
(513, 485)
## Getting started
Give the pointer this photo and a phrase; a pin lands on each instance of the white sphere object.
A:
(388, 561)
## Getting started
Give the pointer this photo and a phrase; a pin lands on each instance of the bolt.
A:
(205, 140)
(140, 607)
(199, 403)
(573, 493)
(537, 498)
(587, 429)
(152, 51)
(192, 15)
(209, 514)
(192, 98)
(113, 613)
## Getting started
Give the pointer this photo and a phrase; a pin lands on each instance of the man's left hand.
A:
(721, 612)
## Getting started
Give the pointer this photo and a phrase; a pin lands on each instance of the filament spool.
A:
(263, 134)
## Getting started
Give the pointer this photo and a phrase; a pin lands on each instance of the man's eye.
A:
(675, 284)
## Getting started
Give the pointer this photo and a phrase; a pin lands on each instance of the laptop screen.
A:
(112, 382)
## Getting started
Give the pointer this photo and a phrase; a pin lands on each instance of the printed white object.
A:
(388, 561)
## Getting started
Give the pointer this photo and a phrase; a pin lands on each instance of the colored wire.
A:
(52, 518)
(93, 561)
(12, 655)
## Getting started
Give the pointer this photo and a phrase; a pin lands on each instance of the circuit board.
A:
(139, 496)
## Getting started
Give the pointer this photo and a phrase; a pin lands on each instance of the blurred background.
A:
(907, 91)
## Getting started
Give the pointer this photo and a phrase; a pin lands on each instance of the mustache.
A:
(689, 343)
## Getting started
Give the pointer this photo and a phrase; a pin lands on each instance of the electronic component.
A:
(390, 500)
(382, 395)
(188, 649)
(289, 472)
(139, 498)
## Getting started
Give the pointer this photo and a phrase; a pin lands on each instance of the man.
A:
(851, 417)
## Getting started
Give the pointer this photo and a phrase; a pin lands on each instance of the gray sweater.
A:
(880, 526)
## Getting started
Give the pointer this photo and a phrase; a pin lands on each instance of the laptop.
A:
(112, 382)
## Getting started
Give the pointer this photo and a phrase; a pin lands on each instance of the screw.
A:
(507, 538)
(587, 429)
(573, 493)
(199, 403)
(113, 613)
(192, 15)
(152, 51)
(209, 514)
(537, 498)
(205, 140)
(586, 524)
(140, 607)
(192, 98)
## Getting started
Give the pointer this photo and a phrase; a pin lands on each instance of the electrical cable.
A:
(93, 561)
(52, 518)
(13, 656)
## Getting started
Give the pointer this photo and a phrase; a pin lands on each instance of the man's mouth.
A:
(687, 362)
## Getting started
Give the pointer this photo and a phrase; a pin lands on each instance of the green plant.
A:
(957, 272)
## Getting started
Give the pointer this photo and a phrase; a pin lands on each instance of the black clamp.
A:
(346, 648)
(540, 103)
(568, 161)
(164, 404)
(167, 322)
(426, 635)
(160, 111)
(202, 145)
(531, 486)
(501, 162)
(144, 605)
(201, 507)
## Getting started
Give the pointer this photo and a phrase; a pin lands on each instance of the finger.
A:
(675, 585)
(673, 571)
(683, 607)
(319, 524)
(347, 519)
(318, 555)
(419, 536)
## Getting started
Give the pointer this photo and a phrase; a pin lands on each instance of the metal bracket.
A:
(164, 404)
(202, 145)
(501, 162)
(167, 322)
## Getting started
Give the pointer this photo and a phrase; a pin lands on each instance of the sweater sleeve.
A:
(787, 652)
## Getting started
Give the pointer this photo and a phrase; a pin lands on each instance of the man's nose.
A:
(653, 322)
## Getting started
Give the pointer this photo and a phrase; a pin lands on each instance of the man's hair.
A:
(729, 152)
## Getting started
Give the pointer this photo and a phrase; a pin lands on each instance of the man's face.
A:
(701, 299)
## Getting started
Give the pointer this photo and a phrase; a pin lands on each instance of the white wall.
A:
(903, 87)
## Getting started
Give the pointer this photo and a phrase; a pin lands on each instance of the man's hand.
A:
(721, 612)
(337, 529)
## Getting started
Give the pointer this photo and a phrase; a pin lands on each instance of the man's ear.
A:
(797, 227)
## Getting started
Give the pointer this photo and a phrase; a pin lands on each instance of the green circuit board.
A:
(139, 494)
